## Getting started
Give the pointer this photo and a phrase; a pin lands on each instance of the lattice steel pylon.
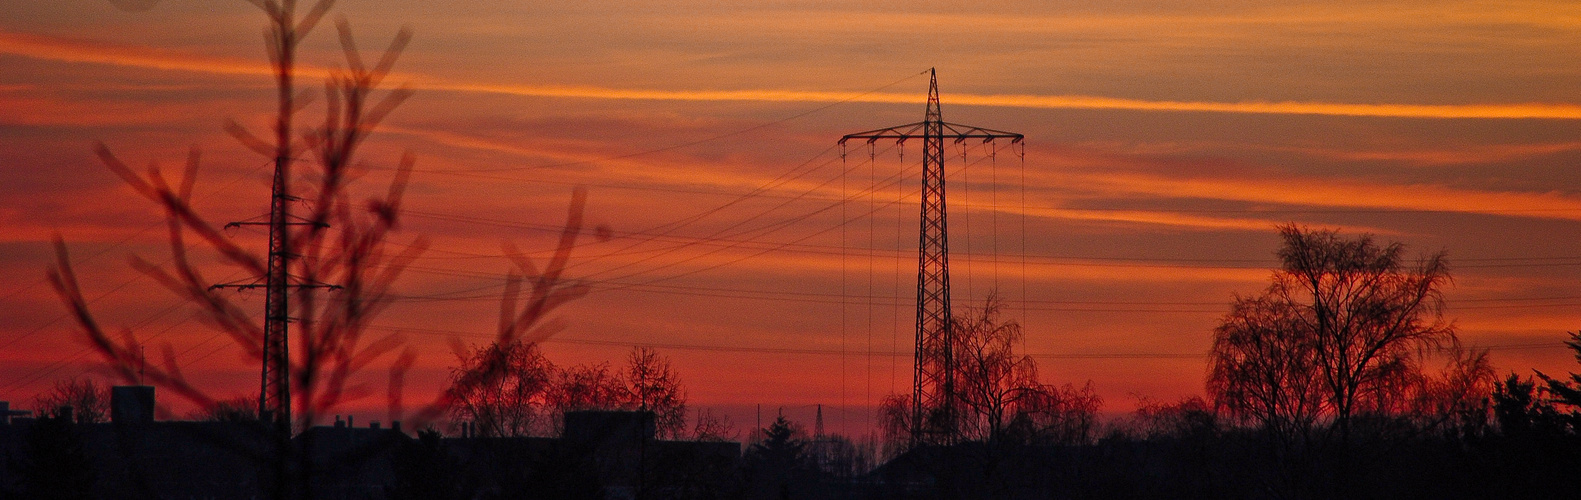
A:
(274, 398)
(933, 385)
(274, 395)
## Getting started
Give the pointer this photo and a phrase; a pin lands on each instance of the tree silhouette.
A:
(1188, 417)
(1459, 401)
(513, 403)
(711, 426)
(590, 386)
(89, 402)
(1264, 368)
(777, 462)
(343, 261)
(992, 384)
(998, 394)
(1566, 393)
(652, 386)
(1341, 330)
(513, 390)
(236, 410)
(336, 244)
(1519, 410)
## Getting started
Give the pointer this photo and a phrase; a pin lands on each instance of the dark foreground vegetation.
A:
(1528, 447)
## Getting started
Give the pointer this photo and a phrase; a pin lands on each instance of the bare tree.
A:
(1264, 369)
(992, 383)
(333, 246)
(1064, 415)
(653, 386)
(341, 263)
(1345, 313)
(508, 388)
(895, 423)
(1187, 416)
(512, 404)
(513, 390)
(338, 246)
(710, 426)
(238, 410)
(1459, 401)
(89, 402)
(587, 387)
(998, 395)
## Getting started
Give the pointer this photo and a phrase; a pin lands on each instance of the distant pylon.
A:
(274, 395)
(274, 398)
(933, 386)
(817, 426)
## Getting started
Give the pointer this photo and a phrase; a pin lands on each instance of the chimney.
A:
(132, 404)
(6, 413)
(349, 422)
(395, 425)
(373, 425)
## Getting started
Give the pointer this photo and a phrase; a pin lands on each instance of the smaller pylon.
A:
(817, 425)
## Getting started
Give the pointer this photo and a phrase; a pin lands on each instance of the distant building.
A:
(610, 454)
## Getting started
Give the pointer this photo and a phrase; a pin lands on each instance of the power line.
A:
(685, 240)
(886, 300)
(837, 352)
(677, 146)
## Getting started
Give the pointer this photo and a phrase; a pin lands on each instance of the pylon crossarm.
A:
(963, 132)
(299, 222)
(898, 132)
(238, 285)
(954, 131)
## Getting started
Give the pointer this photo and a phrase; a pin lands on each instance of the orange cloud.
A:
(1151, 217)
(31, 110)
(1462, 155)
(1346, 194)
(1499, 111)
(1482, 153)
(87, 51)
(59, 49)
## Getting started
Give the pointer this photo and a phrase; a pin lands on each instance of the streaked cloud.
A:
(1480, 111)
(1345, 193)
(52, 48)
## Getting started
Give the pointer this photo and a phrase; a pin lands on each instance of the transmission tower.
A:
(933, 385)
(274, 395)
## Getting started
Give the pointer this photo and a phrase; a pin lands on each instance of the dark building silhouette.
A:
(609, 454)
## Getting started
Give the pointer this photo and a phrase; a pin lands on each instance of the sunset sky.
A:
(1165, 143)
